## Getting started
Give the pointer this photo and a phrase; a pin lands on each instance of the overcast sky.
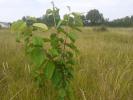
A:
(11, 10)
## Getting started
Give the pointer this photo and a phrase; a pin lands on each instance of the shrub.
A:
(101, 28)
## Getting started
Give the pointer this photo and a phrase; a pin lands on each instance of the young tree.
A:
(53, 57)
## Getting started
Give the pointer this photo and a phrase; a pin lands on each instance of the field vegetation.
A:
(104, 69)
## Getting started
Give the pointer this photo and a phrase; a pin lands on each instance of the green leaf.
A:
(69, 54)
(37, 56)
(62, 92)
(76, 28)
(41, 26)
(37, 41)
(60, 29)
(72, 36)
(72, 46)
(54, 40)
(70, 72)
(59, 24)
(71, 62)
(49, 70)
(70, 93)
(61, 40)
(46, 39)
(18, 38)
(57, 77)
(28, 31)
(18, 27)
(54, 52)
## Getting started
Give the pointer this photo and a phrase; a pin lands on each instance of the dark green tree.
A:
(95, 17)
(122, 22)
(132, 20)
(84, 20)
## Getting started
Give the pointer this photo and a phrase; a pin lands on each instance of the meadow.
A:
(104, 69)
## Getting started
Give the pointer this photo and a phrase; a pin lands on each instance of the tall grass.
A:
(104, 70)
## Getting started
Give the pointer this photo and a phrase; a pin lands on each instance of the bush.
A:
(101, 28)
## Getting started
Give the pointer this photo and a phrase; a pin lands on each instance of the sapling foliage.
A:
(53, 56)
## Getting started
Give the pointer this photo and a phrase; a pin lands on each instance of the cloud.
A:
(14, 9)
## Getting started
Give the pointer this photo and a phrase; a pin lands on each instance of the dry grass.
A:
(104, 70)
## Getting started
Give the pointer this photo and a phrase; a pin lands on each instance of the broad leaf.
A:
(62, 92)
(54, 52)
(18, 27)
(71, 62)
(57, 77)
(72, 36)
(60, 29)
(37, 41)
(76, 28)
(18, 37)
(37, 56)
(49, 70)
(73, 47)
(54, 40)
(46, 39)
(41, 26)
(59, 24)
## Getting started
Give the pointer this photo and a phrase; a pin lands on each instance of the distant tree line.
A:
(92, 18)
(95, 18)
(122, 22)
(49, 20)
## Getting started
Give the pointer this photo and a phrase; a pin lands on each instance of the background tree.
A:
(122, 22)
(92, 18)
(39, 19)
(132, 20)
(84, 20)
(95, 17)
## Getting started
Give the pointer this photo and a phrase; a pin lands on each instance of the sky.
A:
(11, 10)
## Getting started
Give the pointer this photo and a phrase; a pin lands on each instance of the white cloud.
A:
(15, 9)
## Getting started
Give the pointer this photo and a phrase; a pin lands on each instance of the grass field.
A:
(104, 70)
